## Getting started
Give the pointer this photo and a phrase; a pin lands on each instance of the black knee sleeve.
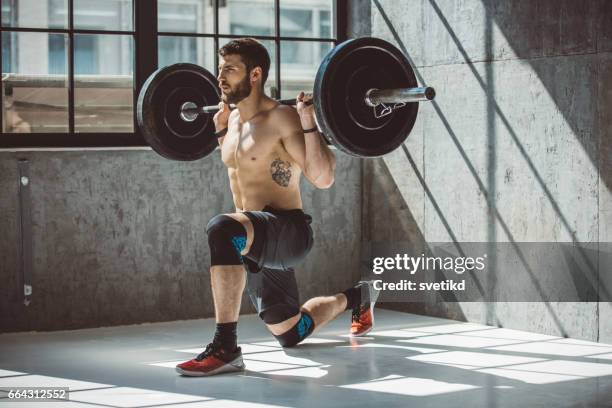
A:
(226, 239)
(302, 329)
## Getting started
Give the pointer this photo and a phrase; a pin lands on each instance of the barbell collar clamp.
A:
(189, 112)
(375, 97)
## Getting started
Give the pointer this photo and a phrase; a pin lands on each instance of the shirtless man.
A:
(266, 147)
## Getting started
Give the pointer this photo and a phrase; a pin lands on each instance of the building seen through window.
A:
(35, 67)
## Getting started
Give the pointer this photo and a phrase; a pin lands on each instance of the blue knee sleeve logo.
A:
(239, 242)
(304, 325)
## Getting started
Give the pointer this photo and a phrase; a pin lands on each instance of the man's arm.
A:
(308, 150)
(221, 120)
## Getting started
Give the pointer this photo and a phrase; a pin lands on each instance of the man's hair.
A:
(252, 53)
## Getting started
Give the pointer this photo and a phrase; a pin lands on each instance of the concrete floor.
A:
(408, 361)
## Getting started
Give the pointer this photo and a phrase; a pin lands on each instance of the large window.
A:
(67, 66)
(72, 69)
(297, 34)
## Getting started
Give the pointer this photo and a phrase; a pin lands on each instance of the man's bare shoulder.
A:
(286, 115)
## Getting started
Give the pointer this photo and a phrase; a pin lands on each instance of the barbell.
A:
(374, 97)
(365, 98)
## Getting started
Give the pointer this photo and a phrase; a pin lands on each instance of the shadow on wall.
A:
(565, 102)
(561, 28)
(390, 220)
(496, 110)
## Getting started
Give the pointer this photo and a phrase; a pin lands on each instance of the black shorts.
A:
(282, 239)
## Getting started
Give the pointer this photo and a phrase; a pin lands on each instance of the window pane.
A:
(271, 80)
(103, 82)
(300, 61)
(242, 17)
(301, 18)
(35, 13)
(34, 94)
(192, 16)
(200, 51)
(325, 27)
(103, 15)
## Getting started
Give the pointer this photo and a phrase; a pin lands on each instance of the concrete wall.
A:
(517, 146)
(118, 237)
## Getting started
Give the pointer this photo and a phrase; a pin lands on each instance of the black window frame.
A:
(145, 35)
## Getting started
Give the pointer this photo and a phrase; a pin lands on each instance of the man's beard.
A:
(243, 89)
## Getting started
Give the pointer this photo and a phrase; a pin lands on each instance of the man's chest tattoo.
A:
(281, 172)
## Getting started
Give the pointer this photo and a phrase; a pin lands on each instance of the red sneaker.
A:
(362, 321)
(362, 318)
(213, 360)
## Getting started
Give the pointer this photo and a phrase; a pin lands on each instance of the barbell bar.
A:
(355, 79)
(373, 98)
(190, 111)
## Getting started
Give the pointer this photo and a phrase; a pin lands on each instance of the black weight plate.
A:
(347, 72)
(159, 107)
